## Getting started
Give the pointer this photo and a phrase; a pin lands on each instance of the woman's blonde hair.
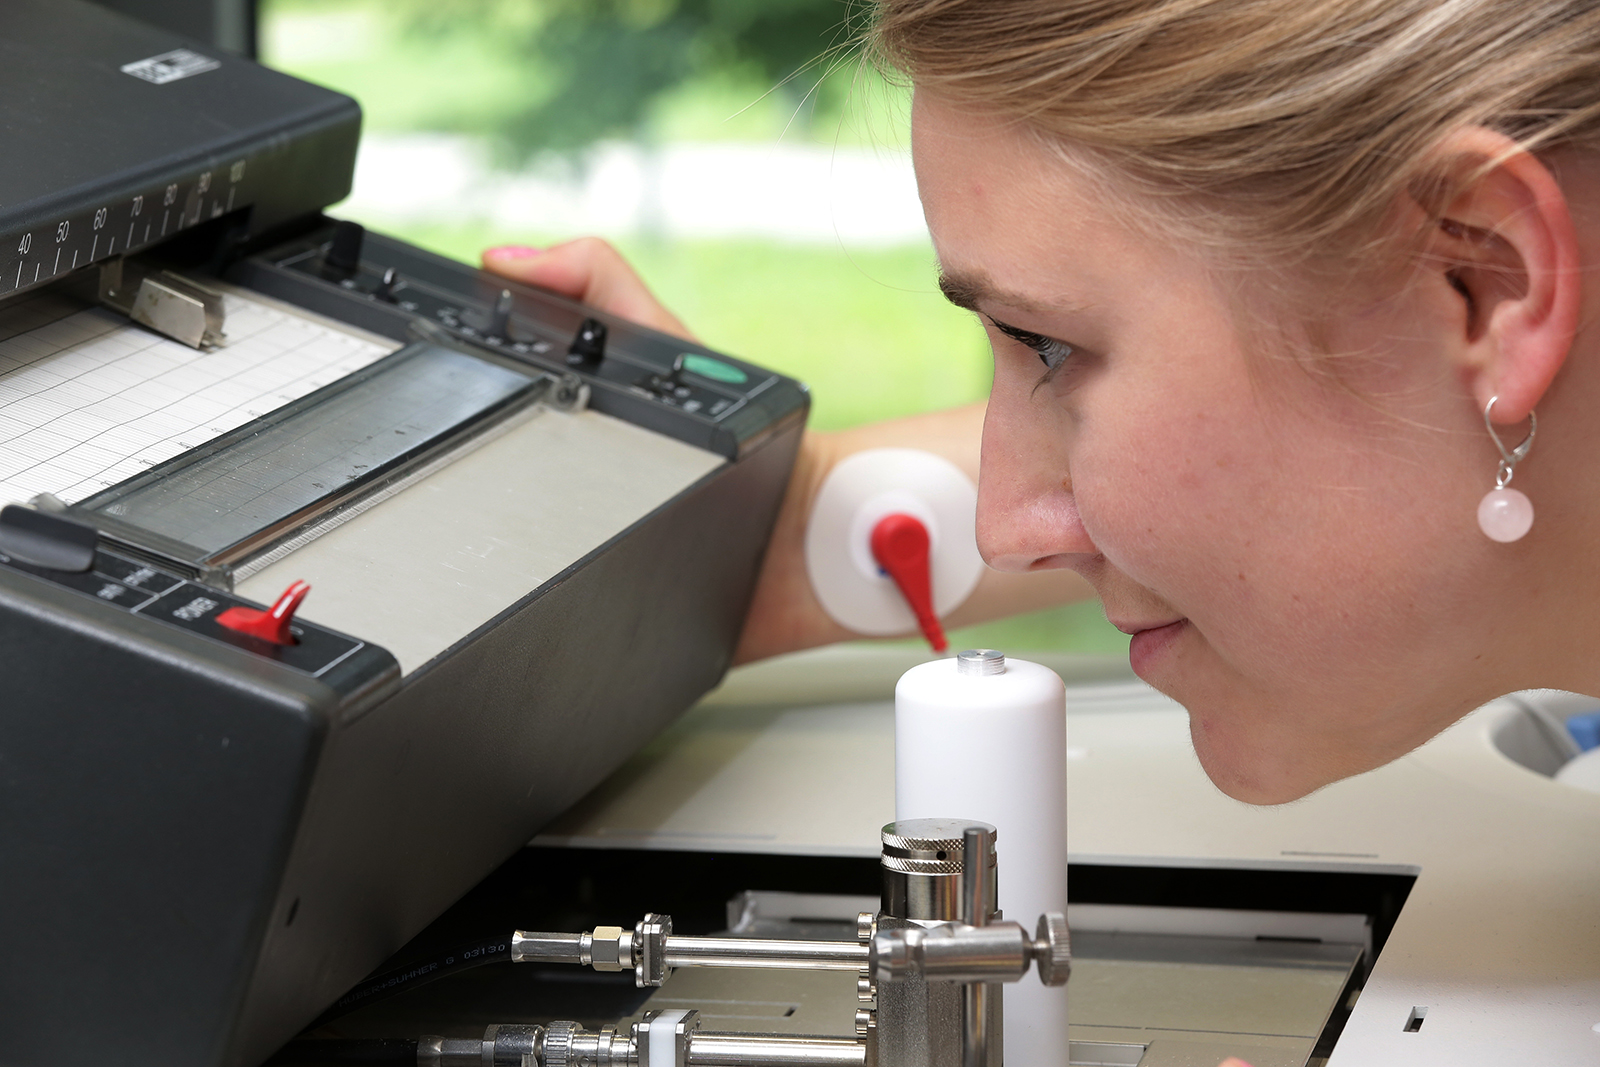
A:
(1296, 123)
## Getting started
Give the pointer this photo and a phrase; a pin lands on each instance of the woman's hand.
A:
(1233, 1061)
(590, 270)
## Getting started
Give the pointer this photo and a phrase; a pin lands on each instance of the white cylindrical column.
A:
(983, 737)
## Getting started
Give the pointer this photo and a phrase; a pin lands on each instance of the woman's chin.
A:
(1252, 773)
(1249, 749)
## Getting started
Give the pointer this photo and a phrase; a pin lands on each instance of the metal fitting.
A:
(567, 1044)
(546, 948)
(981, 661)
(501, 1046)
(608, 948)
(956, 952)
(435, 1051)
(510, 1045)
(556, 1050)
(650, 949)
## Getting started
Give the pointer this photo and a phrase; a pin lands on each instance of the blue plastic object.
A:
(1585, 729)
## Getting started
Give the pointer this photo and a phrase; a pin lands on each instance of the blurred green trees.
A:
(597, 66)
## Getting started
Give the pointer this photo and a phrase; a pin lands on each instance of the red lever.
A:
(272, 624)
(900, 545)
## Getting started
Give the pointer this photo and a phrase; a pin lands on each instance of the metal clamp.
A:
(662, 1037)
(650, 950)
(956, 952)
(167, 303)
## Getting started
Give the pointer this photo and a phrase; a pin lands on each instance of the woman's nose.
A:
(1028, 516)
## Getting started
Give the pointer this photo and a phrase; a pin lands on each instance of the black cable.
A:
(386, 984)
(377, 1052)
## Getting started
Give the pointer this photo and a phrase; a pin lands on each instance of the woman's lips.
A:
(1151, 643)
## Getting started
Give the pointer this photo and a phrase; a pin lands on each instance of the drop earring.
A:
(1505, 514)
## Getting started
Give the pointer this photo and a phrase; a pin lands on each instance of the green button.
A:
(714, 369)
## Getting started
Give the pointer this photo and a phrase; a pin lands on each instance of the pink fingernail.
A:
(514, 252)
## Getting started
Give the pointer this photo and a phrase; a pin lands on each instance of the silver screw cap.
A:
(981, 661)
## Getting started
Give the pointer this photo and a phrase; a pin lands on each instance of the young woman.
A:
(1275, 290)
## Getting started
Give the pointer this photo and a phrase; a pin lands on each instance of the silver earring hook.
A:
(1509, 458)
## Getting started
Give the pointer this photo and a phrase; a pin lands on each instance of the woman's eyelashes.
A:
(1052, 353)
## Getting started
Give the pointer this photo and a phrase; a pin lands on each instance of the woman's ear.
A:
(1507, 245)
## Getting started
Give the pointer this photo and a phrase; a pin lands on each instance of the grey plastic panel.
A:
(426, 568)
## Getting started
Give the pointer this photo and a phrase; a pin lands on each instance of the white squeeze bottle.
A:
(983, 737)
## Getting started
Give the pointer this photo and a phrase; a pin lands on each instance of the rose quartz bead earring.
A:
(1505, 514)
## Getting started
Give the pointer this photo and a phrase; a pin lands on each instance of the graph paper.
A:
(87, 399)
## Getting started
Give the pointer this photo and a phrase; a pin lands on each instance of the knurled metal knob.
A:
(926, 846)
(558, 1041)
(1052, 949)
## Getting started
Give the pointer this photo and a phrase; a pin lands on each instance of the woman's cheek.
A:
(1132, 493)
(1172, 507)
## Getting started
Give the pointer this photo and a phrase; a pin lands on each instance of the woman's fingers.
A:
(1233, 1061)
(590, 270)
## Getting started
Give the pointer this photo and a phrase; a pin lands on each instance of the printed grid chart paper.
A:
(88, 400)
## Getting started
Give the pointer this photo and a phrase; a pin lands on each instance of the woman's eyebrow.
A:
(968, 290)
(963, 290)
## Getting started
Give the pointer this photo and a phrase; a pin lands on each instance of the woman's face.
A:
(1295, 553)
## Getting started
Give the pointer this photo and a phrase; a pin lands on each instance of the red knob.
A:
(900, 544)
(272, 624)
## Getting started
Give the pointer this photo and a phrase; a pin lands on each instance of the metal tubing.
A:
(752, 952)
(772, 1050)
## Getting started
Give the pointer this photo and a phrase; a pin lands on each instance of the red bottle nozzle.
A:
(272, 624)
(900, 544)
